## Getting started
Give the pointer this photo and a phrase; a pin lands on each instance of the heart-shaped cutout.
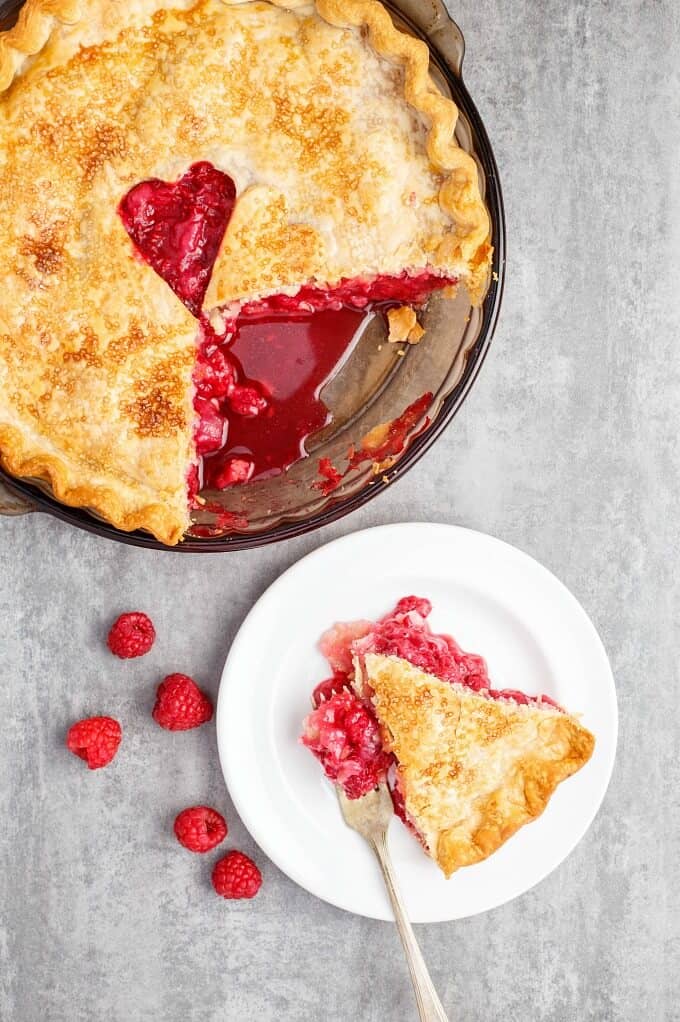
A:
(177, 227)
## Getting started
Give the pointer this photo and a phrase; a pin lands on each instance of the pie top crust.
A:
(334, 181)
(473, 770)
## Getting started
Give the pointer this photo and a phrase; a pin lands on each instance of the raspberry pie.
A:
(467, 765)
(173, 173)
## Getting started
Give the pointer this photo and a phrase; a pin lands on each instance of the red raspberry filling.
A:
(405, 633)
(330, 687)
(357, 293)
(345, 737)
(258, 385)
(177, 227)
(258, 391)
(211, 427)
(214, 373)
(330, 477)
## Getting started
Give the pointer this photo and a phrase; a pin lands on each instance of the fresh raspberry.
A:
(200, 828)
(95, 740)
(131, 635)
(180, 704)
(236, 876)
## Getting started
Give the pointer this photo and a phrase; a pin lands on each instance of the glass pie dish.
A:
(417, 388)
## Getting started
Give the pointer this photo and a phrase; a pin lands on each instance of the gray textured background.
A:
(567, 447)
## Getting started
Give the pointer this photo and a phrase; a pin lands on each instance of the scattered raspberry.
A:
(200, 828)
(131, 635)
(236, 876)
(95, 740)
(180, 704)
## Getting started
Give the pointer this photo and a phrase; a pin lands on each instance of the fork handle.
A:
(429, 1006)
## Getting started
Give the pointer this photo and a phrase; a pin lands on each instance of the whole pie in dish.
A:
(177, 174)
(467, 765)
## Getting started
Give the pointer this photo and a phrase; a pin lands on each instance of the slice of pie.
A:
(471, 769)
(467, 765)
(173, 170)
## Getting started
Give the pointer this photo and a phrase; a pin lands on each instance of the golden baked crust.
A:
(473, 770)
(378, 184)
(459, 195)
(31, 31)
(403, 325)
(358, 178)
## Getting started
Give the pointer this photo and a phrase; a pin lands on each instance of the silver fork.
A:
(370, 816)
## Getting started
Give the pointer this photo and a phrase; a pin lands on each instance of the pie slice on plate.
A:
(173, 170)
(471, 769)
(467, 764)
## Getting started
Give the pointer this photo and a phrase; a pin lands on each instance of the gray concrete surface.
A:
(567, 447)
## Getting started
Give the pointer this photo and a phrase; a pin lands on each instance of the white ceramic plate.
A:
(495, 601)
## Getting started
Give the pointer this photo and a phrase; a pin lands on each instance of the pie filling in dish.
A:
(259, 375)
(467, 765)
(214, 197)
